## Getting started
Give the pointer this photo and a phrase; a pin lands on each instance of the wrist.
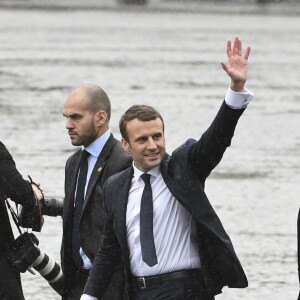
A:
(237, 86)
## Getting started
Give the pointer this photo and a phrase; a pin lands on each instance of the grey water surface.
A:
(168, 59)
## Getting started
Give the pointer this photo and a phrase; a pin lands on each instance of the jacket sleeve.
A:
(12, 183)
(206, 154)
(106, 260)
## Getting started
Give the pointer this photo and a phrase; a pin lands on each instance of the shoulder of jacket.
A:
(73, 157)
(121, 176)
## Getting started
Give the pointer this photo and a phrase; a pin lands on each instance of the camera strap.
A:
(13, 215)
(36, 215)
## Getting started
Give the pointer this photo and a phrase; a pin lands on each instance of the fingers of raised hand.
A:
(229, 50)
(236, 50)
(237, 46)
(247, 53)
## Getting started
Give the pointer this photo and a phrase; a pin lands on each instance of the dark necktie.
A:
(79, 200)
(146, 224)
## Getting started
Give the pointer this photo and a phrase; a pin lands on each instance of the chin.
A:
(76, 143)
(154, 164)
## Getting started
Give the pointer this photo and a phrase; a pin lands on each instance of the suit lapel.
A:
(72, 179)
(184, 198)
(94, 178)
(98, 168)
(120, 206)
(174, 189)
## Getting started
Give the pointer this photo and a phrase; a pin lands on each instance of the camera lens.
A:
(50, 270)
(53, 207)
(26, 255)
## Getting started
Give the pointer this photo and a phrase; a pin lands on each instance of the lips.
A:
(152, 155)
(72, 134)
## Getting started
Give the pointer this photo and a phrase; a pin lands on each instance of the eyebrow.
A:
(72, 115)
(141, 137)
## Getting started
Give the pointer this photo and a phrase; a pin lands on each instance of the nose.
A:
(151, 144)
(69, 124)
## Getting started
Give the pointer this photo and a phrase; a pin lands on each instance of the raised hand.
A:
(237, 64)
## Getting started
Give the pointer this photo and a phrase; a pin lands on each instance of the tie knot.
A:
(146, 178)
(84, 154)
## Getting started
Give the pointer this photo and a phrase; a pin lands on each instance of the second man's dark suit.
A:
(184, 173)
(111, 160)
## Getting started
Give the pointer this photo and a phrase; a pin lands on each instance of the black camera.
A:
(50, 207)
(53, 207)
(25, 255)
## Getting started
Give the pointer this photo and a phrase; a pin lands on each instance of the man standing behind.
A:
(88, 111)
(158, 218)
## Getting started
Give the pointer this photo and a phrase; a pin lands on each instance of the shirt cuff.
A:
(238, 100)
(88, 297)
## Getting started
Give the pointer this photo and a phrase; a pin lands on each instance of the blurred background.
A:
(165, 54)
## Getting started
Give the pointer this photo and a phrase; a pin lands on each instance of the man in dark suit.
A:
(19, 190)
(87, 110)
(182, 251)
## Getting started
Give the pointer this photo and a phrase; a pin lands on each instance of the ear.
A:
(125, 145)
(101, 117)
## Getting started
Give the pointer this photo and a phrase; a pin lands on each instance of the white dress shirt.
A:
(175, 241)
(173, 228)
(94, 149)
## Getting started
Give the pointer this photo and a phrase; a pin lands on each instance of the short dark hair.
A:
(140, 112)
(98, 99)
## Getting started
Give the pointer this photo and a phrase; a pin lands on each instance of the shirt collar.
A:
(97, 146)
(153, 172)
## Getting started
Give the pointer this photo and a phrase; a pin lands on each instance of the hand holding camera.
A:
(34, 219)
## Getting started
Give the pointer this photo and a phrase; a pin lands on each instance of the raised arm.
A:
(209, 150)
(237, 65)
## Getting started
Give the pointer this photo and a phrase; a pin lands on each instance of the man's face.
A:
(81, 122)
(146, 143)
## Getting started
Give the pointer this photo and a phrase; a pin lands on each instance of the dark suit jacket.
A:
(111, 160)
(184, 173)
(18, 190)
